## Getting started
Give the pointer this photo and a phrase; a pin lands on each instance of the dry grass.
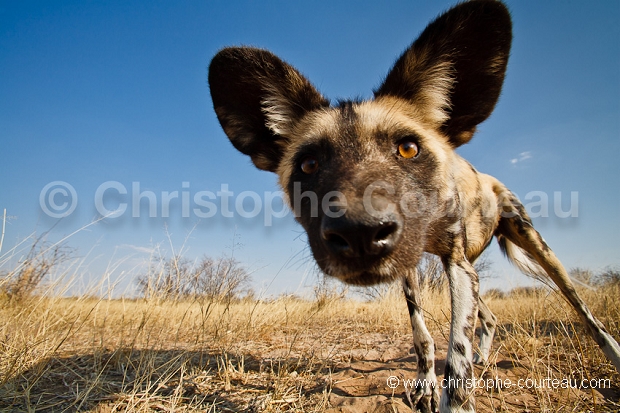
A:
(287, 354)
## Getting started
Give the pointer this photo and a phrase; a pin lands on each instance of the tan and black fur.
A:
(371, 212)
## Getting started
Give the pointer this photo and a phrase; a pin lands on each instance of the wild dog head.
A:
(370, 181)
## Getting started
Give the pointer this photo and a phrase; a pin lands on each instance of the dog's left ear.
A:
(454, 71)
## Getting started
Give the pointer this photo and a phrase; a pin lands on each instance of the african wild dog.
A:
(397, 186)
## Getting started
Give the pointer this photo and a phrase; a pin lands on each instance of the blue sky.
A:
(100, 92)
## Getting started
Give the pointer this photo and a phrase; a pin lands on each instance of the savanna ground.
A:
(330, 354)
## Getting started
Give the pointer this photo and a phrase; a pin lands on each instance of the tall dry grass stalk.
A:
(3, 229)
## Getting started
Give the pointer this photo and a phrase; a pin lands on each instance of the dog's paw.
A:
(478, 359)
(424, 398)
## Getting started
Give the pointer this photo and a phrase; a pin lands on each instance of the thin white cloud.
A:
(145, 250)
(523, 156)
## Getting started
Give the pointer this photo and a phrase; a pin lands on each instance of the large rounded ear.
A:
(258, 98)
(455, 69)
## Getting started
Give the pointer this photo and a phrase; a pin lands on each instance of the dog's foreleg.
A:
(426, 396)
(488, 322)
(458, 383)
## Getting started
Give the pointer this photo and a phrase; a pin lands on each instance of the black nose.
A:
(367, 236)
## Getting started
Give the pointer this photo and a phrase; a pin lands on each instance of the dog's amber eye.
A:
(309, 165)
(408, 149)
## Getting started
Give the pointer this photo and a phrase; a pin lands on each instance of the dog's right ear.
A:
(258, 98)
